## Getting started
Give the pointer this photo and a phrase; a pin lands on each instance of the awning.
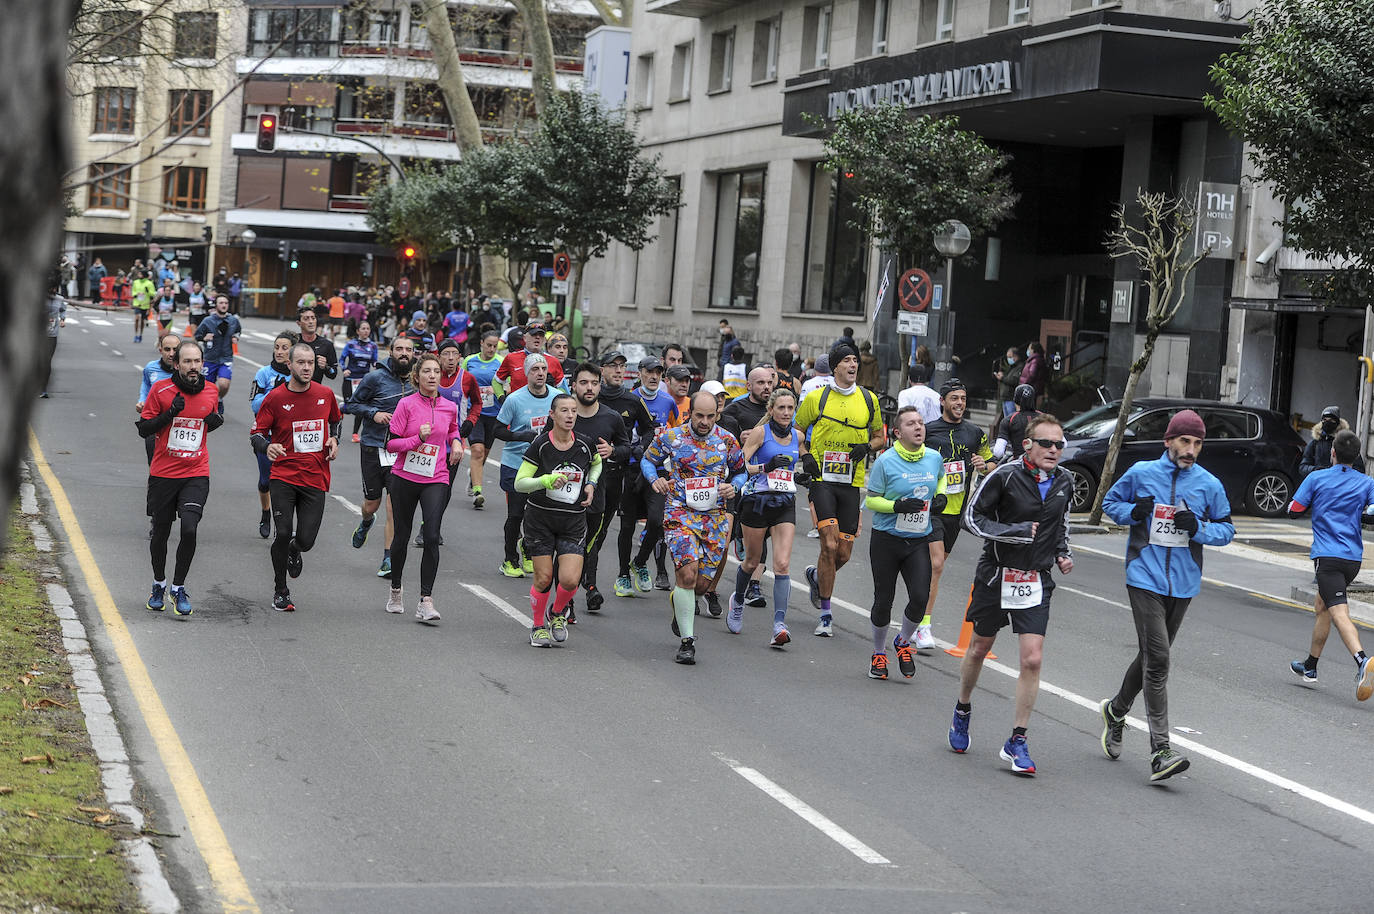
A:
(1294, 306)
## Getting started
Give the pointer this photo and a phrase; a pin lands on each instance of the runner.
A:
(522, 418)
(844, 426)
(460, 388)
(510, 376)
(696, 467)
(1010, 431)
(603, 427)
(178, 413)
(482, 366)
(326, 361)
(733, 373)
(297, 427)
(678, 380)
(621, 479)
(663, 409)
(418, 331)
(558, 473)
(275, 372)
(768, 505)
(158, 369)
(906, 494)
(742, 415)
(141, 293)
(166, 305)
(965, 449)
(220, 332)
(1338, 498)
(336, 312)
(425, 439)
(455, 326)
(196, 310)
(557, 346)
(1021, 511)
(358, 358)
(375, 400)
(1174, 507)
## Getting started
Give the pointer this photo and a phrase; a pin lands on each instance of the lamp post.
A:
(951, 240)
(247, 236)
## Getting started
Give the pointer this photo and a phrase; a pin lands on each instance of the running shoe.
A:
(825, 628)
(156, 600)
(813, 583)
(640, 575)
(527, 564)
(734, 622)
(594, 600)
(905, 662)
(1300, 669)
(357, 437)
(394, 602)
(1014, 750)
(265, 527)
(511, 570)
(1165, 763)
(360, 534)
(471, 490)
(294, 562)
(420, 538)
(384, 570)
(540, 637)
(661, 581)
(622, 586)
(1364, 680)
(479, 501)
(753, 596)
(958, 731)
(925, 641)
(558, 626)
(1112, 728)
(181, 605)
(813, 534)
(780, 635)
(878, 668)
(426, 612)
(572, 612)
(713, 604)
(281, 602)
(687, 653)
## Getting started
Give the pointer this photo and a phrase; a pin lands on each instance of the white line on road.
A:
(103, 343)
(347, 504)
(480, 591)
(99, 322)
(116, 352)
(808, 813)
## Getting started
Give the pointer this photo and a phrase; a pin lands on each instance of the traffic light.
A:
(207, 233)
(367, 266)
(293, 258)
(147, 230)
(267, 132)
(282, 251)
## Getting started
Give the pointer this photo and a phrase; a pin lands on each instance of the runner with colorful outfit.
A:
(275, 372)
(141, 292)
(482, 366)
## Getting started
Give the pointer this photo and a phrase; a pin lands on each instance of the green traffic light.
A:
(294, 263)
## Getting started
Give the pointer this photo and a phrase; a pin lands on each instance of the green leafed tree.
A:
(488, 203)
(912, 174)
(412, 211)
(1297, 91)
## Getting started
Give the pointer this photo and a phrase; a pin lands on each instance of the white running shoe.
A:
(824, 630)
(925, 641)
(393, 602)
(426, 612)
(813, 534)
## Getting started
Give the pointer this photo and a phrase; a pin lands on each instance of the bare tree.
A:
(540, 39)
(615, 12)
(1158, 248)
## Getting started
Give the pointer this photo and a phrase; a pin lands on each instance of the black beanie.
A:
(840, 351)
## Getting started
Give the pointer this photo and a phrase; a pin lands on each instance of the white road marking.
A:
(84, 330)
(103, 343)
(267, 337)
(808, 813)
(500, 604)
(72, 320)
(117, 352)
(347, 504)
(100, 322)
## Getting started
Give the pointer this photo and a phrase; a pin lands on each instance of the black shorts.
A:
(169, 497)
(554, 532)
(375, 476)
(483, 431)
(838, 501)
(1333, 577)
(950, 523)
(988, 617)
(753, 512)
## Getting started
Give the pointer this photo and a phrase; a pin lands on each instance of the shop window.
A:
(183, 189)
(644, 81)
(738, 240)
(837, 253)
(722, 71)
(109, 187)
(767, 32)
(816, 37)
(681, 82)
(1008, 12)
(114, 110)
(188, 112)
(872, 28)
(937, 21)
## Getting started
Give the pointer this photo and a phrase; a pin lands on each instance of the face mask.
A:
(1011, 360)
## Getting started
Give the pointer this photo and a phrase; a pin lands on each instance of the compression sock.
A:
(782, 586)
(908, 628)
(539, 602)
(925, 620)
(162, 583)
(963, 707)
(879, 638)
(386, 553)
(562, 599)
(266, 515)
(741, 583)
(1310, 663)
(1018, 731)
(684, 610)
(825, 607)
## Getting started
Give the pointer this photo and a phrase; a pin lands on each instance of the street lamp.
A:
(247, 236)
(951, 240)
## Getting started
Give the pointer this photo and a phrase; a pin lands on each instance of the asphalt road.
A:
(360, 762)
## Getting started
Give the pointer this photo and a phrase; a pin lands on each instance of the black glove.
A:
(1186, 521)
(779, 462)
(810, 467)
(1144, 505)
(526, 436)
(466, 430)
(937, 504)
(1367, 520)
(909, 505)
(858, 452)
(178, 404)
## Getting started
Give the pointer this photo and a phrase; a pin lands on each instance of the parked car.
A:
(1254, 452)
(634, 350)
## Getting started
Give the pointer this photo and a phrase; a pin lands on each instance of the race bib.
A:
(488, 397)
(386, 458)
(702, 492)
(538, 422)
(781, 481)
(422, 461)
(837, 466)
(308, 436)
(954, 477)
(185, 436)
(914, 522)
(1021, 589)
(1162, 529)
(570, 493)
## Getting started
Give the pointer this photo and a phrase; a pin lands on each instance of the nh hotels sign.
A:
(976, 81)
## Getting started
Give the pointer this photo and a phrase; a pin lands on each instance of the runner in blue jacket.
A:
(1173, 508)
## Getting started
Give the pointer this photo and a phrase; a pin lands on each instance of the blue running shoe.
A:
(814, 583)
(639, 574)
(958, 731)
(753, 596)
(182, 606)
(360, 534)
(1364, 680)
(155, 600)
(384, 571)
(1014, 750)
(1301, 671)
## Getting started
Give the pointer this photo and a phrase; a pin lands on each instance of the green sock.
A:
(684, 609)
(925, 620)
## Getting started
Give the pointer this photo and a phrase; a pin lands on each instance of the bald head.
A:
(704, 413)
(761, 383)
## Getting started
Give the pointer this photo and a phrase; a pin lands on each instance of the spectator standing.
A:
(1036, 371)
(869, 375)
(94, 274)
(919, 394)
(235, 291)
(1008, 376)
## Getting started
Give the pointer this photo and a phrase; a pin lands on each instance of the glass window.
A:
(123, 29)
(816, 37)
(1230, 423)
(766, 35)
(188, 112)
(681, 83)
(1008, 12)
(424, 104)
(1151, 426)
(872, 28)
(722, 62)
(644, 81)
(183, 189)
(739, 239)
(937, 21)
(114, 110)
(196, 35)
(365, 27)
(837, 253)
(109, 187)
(293, 32)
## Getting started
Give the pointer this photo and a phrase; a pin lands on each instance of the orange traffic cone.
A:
(188, 331)
(966, 635)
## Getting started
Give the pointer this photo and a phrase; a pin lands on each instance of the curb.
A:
(116, 776)
(1360, 610)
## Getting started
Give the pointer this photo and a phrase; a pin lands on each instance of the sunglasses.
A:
(1048, 443)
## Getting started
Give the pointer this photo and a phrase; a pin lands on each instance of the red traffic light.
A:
(267, 133)
(408, 252)
(849, 174)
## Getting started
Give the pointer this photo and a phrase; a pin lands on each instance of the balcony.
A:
(347, 203)
(695, 9)
(405, 51)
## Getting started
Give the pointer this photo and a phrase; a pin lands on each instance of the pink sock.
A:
(538, 603)
(560, 603)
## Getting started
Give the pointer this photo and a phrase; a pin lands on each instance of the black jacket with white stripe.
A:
(1002, 511)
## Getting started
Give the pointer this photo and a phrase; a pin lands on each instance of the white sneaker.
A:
(426, 612)
(823, 630)
(393, 602)
(813, 533)
(924, 639)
